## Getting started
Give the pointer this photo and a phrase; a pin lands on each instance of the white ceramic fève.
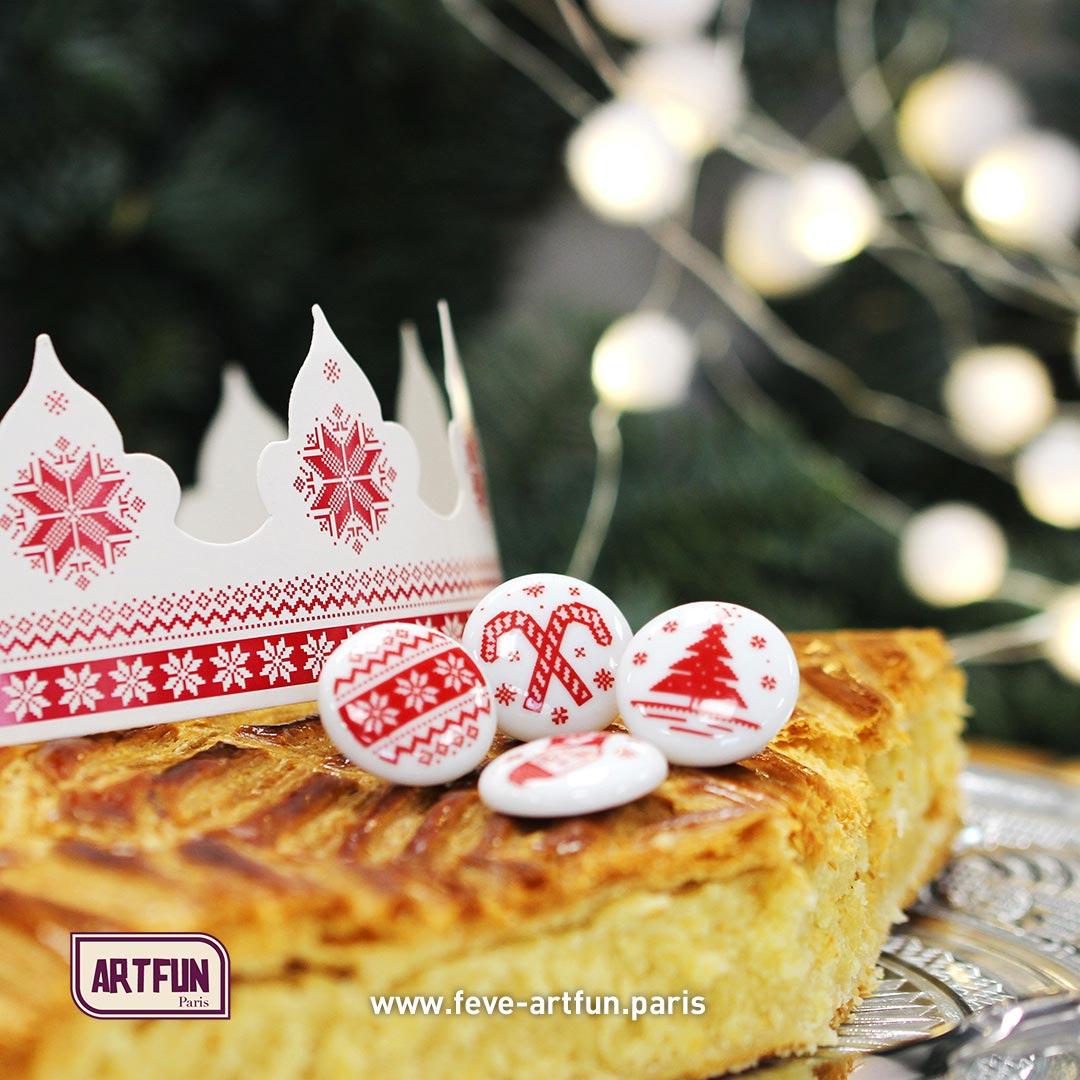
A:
(407, 703)
(572, 774)
(708, 683)
(549, 646)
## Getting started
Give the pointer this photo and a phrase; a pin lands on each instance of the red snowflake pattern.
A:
(72, 512)
(640, 658)
(603, 679)
(346, 478)
(579, 652)
(757, 642)
(560, 715)
(768, 682)
(513, 657)
(574, 590)
(670, 626)
(506, 694)
(534, 590)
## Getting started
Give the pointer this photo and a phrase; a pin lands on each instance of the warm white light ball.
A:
(757, 246)
(1048, 474)
(642, 362)
(998, 397)
(782, 233)
(694, 88)
(624, 167)
(1063, 646)
(1025, 190)
(1076, 349)
(953, 554)
(951, 116)
(653, 20)
(832, 214)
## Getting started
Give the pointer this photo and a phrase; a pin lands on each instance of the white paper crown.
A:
(112, 617)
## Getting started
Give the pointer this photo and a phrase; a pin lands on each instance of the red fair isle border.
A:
(210, 673)
(269, 605)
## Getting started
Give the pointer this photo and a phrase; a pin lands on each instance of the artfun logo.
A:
(163, 976)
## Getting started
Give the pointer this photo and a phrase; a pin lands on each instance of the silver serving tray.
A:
(1001, 921)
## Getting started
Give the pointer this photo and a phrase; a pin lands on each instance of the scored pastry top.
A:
(252, 819)
(252, 828)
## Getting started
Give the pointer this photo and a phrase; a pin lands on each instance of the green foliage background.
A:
(181, 179)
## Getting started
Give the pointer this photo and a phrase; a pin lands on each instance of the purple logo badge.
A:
(165, 976)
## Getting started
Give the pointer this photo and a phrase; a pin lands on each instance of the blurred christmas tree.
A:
(179, 181)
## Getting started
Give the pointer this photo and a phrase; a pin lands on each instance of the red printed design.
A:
(474, 463)
(163, 676)
(563, 754)
(277, 604)
(72, 513)
(699, 687)
(402, 700)
(547, 642)
(346, 478)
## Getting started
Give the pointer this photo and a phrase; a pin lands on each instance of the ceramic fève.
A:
(549, 646)
(407, 703)
(572, 774)
(708, 683)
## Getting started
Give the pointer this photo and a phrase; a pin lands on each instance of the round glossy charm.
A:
(406, 703)
(572, 774)
(708, 683)
(548, 646)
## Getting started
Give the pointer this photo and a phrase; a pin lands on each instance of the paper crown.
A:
(112, 617)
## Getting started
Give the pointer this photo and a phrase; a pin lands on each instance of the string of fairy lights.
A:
(973, 185)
